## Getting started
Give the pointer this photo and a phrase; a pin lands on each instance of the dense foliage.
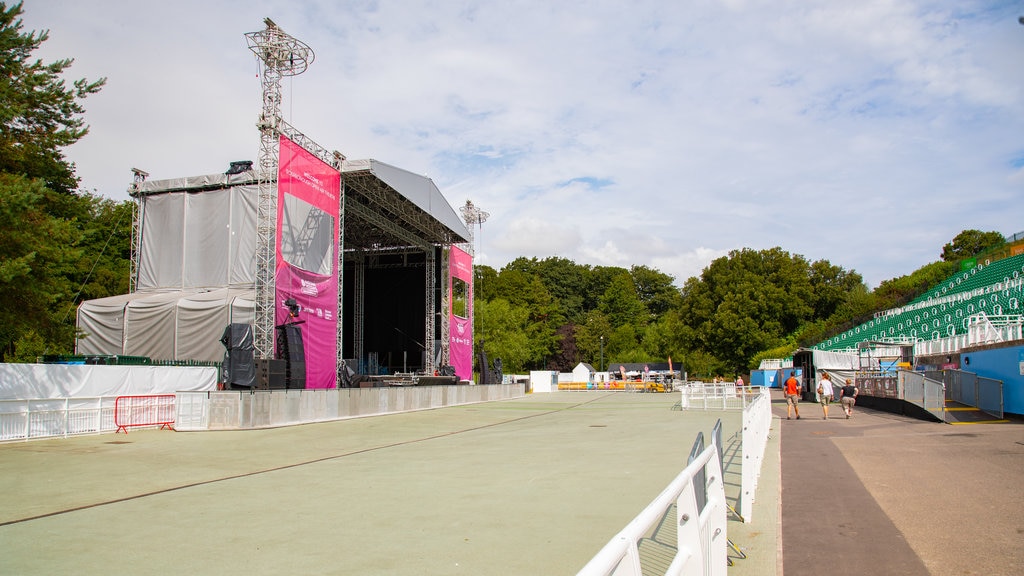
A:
(744, 307)
(58, 245)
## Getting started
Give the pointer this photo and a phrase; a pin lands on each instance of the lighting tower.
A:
(279, 55)
(473, 216)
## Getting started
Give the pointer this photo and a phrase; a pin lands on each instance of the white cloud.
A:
(867, 134)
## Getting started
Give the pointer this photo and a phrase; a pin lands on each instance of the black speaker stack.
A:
(291, 351)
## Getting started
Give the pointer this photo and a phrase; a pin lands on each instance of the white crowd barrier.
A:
(55, 417)
(241, 410)
(698, 495)
(757, 423)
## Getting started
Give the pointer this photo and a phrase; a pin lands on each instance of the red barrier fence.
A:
(154, 410)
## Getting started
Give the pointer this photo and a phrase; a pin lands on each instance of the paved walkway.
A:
(887, 494)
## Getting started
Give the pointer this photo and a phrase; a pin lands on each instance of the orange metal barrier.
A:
(154, 410)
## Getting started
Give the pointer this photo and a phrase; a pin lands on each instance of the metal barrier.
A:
(138, 411)
(969, 389)
(757, 424)
(243, 410)
(700, 522)
(55, 417)
(715, 396)
(923, 392)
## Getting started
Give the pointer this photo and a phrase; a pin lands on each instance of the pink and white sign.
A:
(308, 208)
(460, 347)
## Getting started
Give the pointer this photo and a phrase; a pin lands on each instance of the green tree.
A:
(655, 289)
(589, 336)
(37, 252)
(501, 329)
(39, 113)
(621, 303)
(47, 230)
(970, 243)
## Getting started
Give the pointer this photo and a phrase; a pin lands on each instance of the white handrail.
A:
(701, 534)
(757, 423)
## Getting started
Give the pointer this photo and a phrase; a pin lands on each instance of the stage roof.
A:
(385, 206)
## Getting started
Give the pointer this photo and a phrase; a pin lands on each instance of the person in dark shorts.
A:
(792, 389)
(848, 397)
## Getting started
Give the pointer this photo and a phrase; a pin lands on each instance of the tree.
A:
(36, 255)
(40, 115)
(621, 304)
(44, 223)
(970, 243)
(502, 331)
(655, 289)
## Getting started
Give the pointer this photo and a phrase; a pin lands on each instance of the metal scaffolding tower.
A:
(279, 55)
(472, 215)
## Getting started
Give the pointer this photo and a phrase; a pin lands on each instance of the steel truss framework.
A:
(381, 220)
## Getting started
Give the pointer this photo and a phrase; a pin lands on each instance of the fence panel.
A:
(757, 423)
(55, 417)
(136, 411)
(990, 396)
(700, 530)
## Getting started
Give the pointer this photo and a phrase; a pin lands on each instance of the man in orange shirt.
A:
(792, 390)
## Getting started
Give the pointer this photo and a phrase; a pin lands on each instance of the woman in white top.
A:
(824, 392)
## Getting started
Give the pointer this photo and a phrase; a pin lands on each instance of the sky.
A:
(610, 133)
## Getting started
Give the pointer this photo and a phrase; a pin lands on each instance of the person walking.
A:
(792, 389)
(848, 397)
(824, 393)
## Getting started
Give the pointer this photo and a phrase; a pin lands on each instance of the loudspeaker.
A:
(296, 377)
(291, 350)
(239, 368)
(271, 374)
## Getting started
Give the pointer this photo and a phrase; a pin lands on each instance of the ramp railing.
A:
(918, 389)
(697, 497)
(985, 394)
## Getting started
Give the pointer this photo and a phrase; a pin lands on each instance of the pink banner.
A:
(308, 207)
(461, 326)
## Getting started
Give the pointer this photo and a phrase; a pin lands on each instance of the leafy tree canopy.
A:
(39, 113)
(970, 243)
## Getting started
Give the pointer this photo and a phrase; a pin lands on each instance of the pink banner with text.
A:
(460, 312)
(308, 208)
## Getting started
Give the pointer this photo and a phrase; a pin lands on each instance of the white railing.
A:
(757, 424)
(700, 523)
(55, 417)
(716, 396)
(242, 410)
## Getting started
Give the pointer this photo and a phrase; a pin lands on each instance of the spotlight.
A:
(293, 307)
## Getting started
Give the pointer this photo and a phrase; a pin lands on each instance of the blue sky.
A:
(665, 134)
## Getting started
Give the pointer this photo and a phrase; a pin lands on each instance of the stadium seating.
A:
(994, 288)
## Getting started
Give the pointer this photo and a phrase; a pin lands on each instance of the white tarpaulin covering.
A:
(22, 381)
(825, 360)
(185, 325)
(197, 240)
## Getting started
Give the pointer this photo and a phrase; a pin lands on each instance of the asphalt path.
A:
(886, 494)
